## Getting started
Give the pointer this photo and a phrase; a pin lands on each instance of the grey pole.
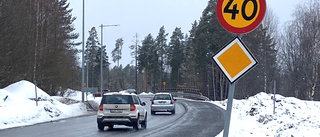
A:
(136, 86)
(101, 61)
(87, 80)
(229, 108)
(82, 82)
(274, 98)
(35, 89)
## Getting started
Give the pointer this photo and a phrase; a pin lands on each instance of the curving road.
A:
(192, 119)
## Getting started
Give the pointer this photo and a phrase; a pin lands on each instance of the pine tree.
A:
(36, 44)
(176, 55)
(189, 65)
(117, 81)
(117, 51)
(92, 57)
(209, 37)
(162, 48)
(145, 59)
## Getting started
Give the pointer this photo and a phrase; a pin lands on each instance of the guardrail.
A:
(186, 90)
(182, 94)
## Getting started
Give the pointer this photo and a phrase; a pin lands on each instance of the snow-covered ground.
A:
(252, 117)
(18, 107)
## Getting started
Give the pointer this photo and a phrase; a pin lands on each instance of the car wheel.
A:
(100, 126)
(136, 125)
(173, 112)
(152, 112)
(144, 123)
(110, 126)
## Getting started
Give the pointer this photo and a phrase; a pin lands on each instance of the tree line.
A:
(184, 61)
(36, 42)
(288, 60)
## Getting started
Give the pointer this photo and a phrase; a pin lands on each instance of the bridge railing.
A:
(194, 94)
(187, 90)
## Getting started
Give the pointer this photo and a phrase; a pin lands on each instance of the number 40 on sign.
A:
(240, 16)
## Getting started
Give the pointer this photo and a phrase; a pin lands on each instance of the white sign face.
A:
(234, 60)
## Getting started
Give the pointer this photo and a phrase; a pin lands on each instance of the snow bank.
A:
(18, 107)
(254, 117)
(144, 93)
(250, 117)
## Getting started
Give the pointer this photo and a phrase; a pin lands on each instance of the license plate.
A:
(162, 102)
(115, 111)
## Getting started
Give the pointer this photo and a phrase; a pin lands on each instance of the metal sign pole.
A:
(35, 89)
(101, 62)
(274, 98)
(228, 59)
(229, 108)
(82, 69)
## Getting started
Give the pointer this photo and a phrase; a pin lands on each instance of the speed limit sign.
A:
(240, 16)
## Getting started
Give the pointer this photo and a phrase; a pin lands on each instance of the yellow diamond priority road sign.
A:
(234, 60)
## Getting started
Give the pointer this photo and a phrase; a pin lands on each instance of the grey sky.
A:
(147, 16)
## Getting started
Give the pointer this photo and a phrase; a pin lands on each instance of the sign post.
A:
(164, 85)
(229, 108)
(235, 59)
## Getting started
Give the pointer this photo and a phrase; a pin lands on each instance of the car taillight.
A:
(171, 101)
(101, 107)
(132, 107)
(152, 101)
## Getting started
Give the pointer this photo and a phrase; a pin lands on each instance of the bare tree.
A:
(302, 49)
(134, 53)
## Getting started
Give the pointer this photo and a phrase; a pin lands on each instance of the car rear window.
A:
(117, 99)
(162, 97)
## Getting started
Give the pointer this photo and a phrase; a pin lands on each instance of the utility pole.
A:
(136, 63)
(101, 54)
(82, 82)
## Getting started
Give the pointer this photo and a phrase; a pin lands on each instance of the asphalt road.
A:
(192, 119)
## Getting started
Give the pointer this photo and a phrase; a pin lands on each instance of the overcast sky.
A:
(147, 16)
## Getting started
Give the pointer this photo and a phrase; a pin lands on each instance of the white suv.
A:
(121, 109)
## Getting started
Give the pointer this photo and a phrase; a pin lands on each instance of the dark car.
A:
(98, 94)
(131, 91)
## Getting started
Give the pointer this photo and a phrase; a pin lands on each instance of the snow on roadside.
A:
(18, 106)
(254, 117)
(250, 117)
(144, 93)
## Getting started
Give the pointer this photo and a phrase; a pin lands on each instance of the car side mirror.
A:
(175, 99)
(143, 103)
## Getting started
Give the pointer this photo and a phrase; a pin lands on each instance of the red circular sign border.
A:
(243, 30)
